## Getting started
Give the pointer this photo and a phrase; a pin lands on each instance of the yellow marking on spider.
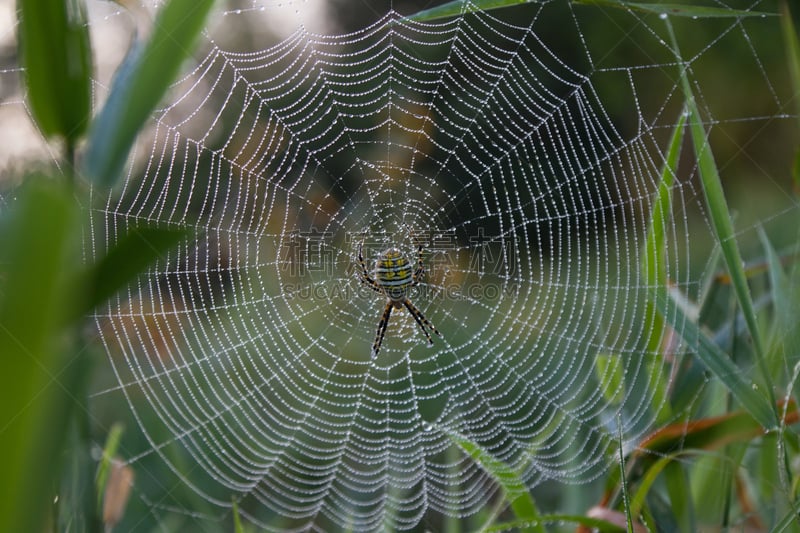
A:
(394, 279)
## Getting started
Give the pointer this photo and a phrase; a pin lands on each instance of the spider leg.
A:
(421, 320)
(387, 311)
(363, 274)
(420, 268)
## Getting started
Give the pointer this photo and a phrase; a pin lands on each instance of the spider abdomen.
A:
(394, 275)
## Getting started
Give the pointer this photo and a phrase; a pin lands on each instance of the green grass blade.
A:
(784, 334)
(516, 491)
(787, 307)
(655, 268)
(654, 265)
(582, 520)
(796, 172)
(645, 483)
(711, 433)
(626, 498)
(237, 520)
(460, 7)
(717, 361)
(131, 255)
(103, 469)
(38, 261)
(721, 221)
(789, 520)
(679, 495)
(56, 56)
(140, 84)
(792, 45)
(676, 10)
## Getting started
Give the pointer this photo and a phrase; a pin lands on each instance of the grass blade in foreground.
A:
(715, 359)
(676, 10)
(57, 58)
(784, 339)
(237, 521)
(709, 434)
(460, 7)
(131, 255)
(680, 495)
(38, 255)
(516, 491)
(723, 227)
(645, 483)
(140, 84)
(655, 268)
(109, 452)
(626, 499)
(792, 46)
(587, 522)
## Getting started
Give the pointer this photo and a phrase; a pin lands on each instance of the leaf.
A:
(130, 256)
(709, 433)
(56, 56)
(676, 10)
(38, 285)
(139, 85)
(237, 521)
(460, 7)
(516, 491)
(721, 222)
(796, 172)
(626, 500)
(785, 338)
(109, 452)
(715, 359)
(618, 518)
(654, 265)
(679, 495)
(792, 45)
(582, 520)
(789, 520)
(646, 482)
(655, 269)
(771, 461)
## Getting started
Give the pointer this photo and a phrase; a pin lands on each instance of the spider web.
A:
(517, 150)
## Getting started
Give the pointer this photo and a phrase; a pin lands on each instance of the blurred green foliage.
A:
(56, 52)
(40, 256)
(139, 85)
(46, 290)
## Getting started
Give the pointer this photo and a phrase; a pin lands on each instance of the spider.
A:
(394, 279)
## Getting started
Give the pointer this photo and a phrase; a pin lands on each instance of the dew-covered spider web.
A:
(522, 150)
